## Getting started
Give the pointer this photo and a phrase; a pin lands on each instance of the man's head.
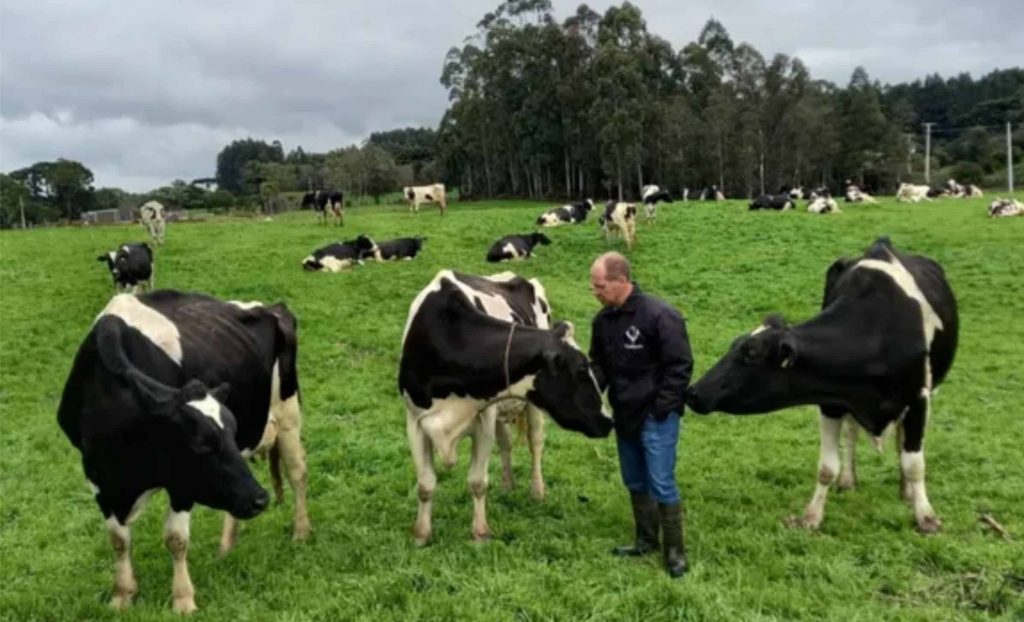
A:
(609, 279)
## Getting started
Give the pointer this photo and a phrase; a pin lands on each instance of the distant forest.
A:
(597, 106)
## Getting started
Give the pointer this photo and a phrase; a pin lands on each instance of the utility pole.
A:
(910, 153)
(928, 152)
(1009, 157)
(21, 203)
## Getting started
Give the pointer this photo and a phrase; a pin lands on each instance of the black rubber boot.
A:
(645, 516)
(673, 525)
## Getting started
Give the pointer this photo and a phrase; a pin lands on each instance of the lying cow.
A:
(399, 248)
(516, 247)
(619, 218)
(821, 191)
(650, 196)
(1004, 208)
(173, 391)
(569, 214)
(885, 339)
(417, 195)
(325, 203)
(780, 202)
(130, 266)
(796, 193)
(972, 192)
(341, 255)
(911, 193)
(712, 193)
(151, 215)
(823, 205)
(855, 195)
(471, 346)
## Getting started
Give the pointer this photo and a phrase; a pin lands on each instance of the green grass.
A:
(723, 266)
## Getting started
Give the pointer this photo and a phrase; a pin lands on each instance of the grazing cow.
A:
(324, 202)
(130, 266)
(780, 202)
(472, 345)
(712, 193)
(516, 247)
(912, 193)
(340, 255)
(399, 248)
(619, 218)
(823, 205)
(855, 195)
(433, 193)
(569, 214)
(151, 214)
(173, 391)
(885, 339)
(652, 195)
(1003, 208)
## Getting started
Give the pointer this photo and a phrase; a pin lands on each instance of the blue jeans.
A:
(648, 459)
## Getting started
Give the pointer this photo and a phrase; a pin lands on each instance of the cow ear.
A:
(565, 330)
(787, 351)
(221, 393)
(103, 258)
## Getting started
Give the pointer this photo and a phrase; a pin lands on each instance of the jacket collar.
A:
(631, 303)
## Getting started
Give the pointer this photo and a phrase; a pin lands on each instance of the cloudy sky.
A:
(146, 92)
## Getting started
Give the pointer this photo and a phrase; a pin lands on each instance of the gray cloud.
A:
(143, 93)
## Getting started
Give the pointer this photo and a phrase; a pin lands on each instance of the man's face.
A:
(609, 292)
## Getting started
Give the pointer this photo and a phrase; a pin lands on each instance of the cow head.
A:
(753, 376)
(540, 238)
(308, 200)
(110, 259)
(589, 205)
(566, 388)
(408, 193)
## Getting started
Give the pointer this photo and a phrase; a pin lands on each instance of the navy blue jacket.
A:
(641, 354)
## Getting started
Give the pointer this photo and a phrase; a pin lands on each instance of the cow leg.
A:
(535, 428)
(905, 492)
(630, 234)
(503, 435)
(176, 538)
(228, 534)
(289, 442)
(828, 469)
(426, 479)
(125, 586)
(483, 442)
(274, 460)
(912, 463)
(848, 474)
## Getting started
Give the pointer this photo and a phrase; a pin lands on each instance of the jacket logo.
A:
(632, 335)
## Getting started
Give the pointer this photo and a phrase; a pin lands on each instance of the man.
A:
(640, 352)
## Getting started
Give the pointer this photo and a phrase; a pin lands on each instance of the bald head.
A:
(609, 279)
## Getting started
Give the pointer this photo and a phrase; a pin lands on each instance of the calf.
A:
(884, 340)
(472, 345)
(619, 218)
(416, 195)
(569, 214)
(340, 255)
(130, 266)
(516, 247)
(780, 202)
(823, 205)
(324, 202)
(172, 391)
(911, 193)
(399, 248)
(650, 196)
(1004, 208)
(151, 215)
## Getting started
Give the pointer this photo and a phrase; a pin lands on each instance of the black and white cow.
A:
(1004, 208)
(325, 203)
(472, 345)
(821, 191)
(416, 195)
(884, 340)
(516, 247)
(823, 205)
(172, 391)
(341, 255)
(399, 248)
(796, 193)
(619, 218)
(972, 192)
(955, 189)
(569, 214)
(780, 202)
(131, 266)
(712, 193)
(913, 193)
(855, 195)
(651, 195)
(151, 215)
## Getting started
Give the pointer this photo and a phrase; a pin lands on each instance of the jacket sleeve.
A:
(675, 361)
(598, 360)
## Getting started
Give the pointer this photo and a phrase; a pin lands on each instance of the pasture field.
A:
(723, 266)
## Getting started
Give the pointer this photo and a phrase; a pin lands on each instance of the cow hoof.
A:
(225, 548)
(847, 483)
(421, 538)
(928, 525)
(184, 605)
(482, 536)
(120, 602)
(507, 483)
(537, 491)
(803, 522)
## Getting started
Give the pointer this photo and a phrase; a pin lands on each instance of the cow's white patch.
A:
(148, 321)
(759, 329)
(333, 264)
(92, 487)
(113, 257)
(511, 250)
(252, 304)
(177, 523)
(209, 407)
